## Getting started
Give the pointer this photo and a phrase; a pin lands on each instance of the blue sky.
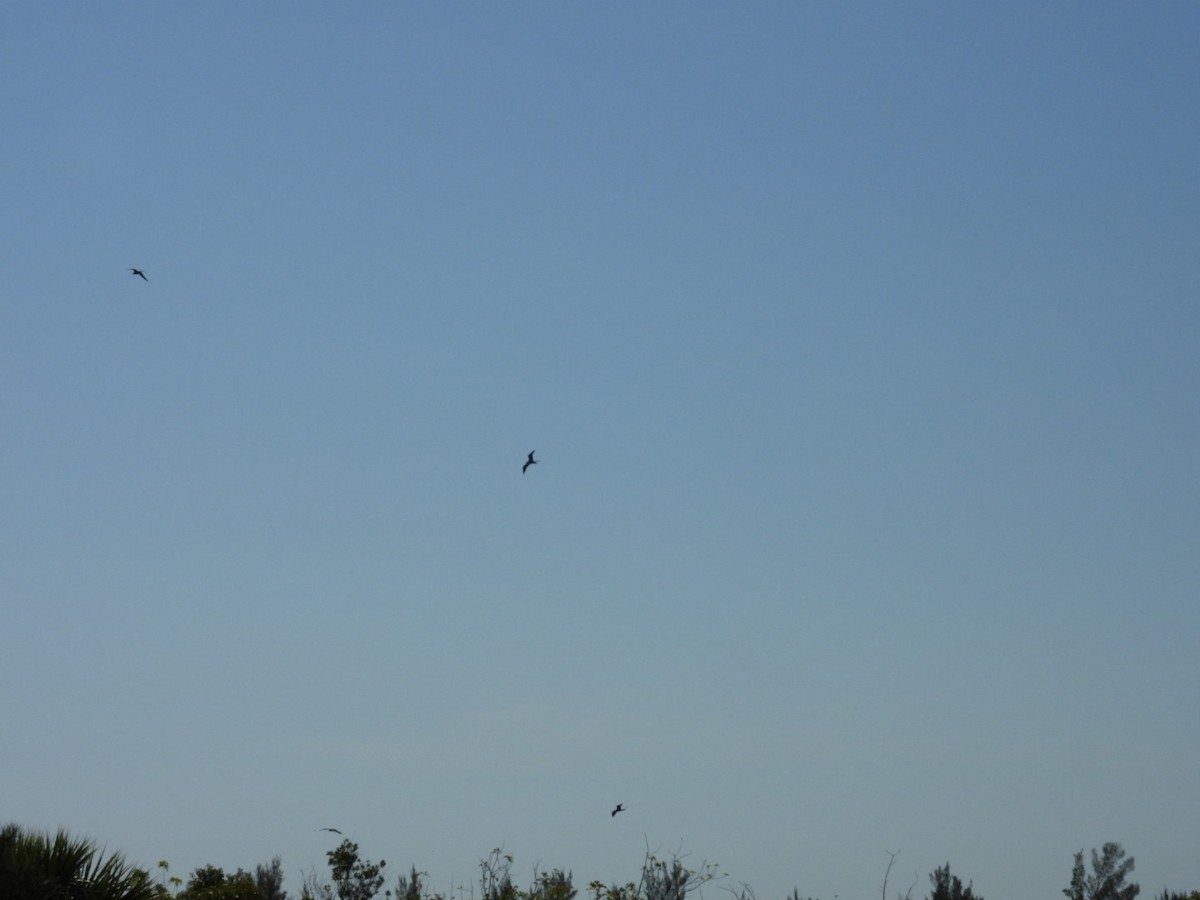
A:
(858, 345)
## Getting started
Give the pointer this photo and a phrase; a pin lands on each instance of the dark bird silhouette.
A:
(620, 808)
(334, 830)
(140, 272)
(529, 462)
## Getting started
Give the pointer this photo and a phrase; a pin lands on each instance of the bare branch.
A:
(887, 872)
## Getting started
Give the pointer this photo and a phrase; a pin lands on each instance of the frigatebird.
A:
(334, 830)
(529, 462)
(620, 808)
(140, 272)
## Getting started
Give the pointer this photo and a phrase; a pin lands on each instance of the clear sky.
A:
(859, 348)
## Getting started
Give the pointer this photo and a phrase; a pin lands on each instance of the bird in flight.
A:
(140, 272)
(529, 462)
(620, 808)
(334, 830)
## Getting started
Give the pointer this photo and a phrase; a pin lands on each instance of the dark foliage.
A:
(36, 866)
(950, 887)
(211, 883)
(1107, 881)
(269, 880)
(354, 878)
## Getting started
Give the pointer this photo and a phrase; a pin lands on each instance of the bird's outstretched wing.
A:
(334, 830)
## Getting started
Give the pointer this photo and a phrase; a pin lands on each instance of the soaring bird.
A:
(334, 830)
(620, 808)
(140, 272)
(529, 462)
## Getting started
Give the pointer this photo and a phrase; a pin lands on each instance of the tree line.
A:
(40, 866)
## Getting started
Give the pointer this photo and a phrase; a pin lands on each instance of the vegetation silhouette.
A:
(38, 866)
